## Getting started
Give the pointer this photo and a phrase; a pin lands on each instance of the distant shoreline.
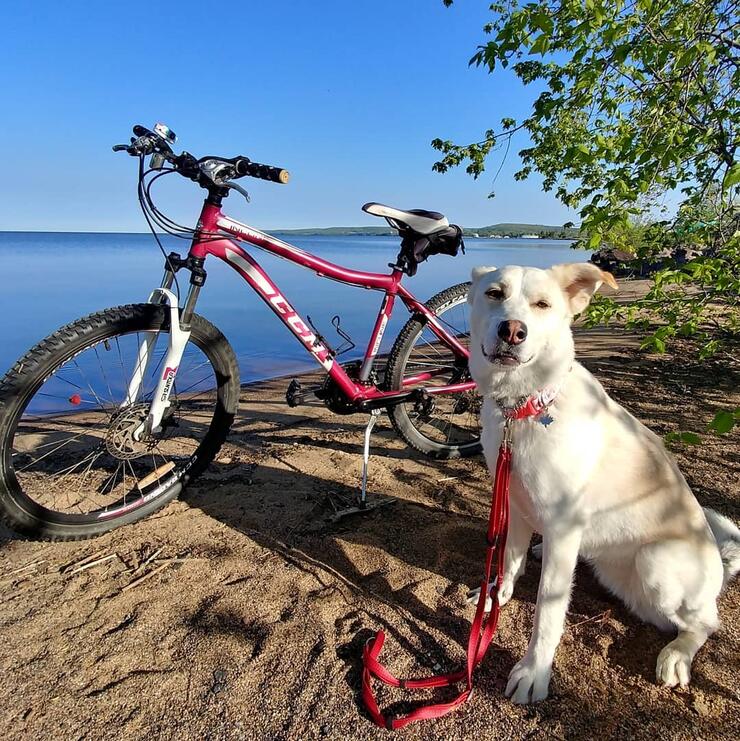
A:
(507, 230)
(496, 231)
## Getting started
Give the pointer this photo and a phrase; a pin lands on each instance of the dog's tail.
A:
(727, 535)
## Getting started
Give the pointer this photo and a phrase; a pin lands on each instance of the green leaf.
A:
(732, 176)
(723, 422)
(689, 438)
(541, 44)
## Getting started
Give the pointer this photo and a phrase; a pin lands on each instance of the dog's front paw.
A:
(528, 682)
(507, 589)
(504, 594)
(674, 666)
(474, 595)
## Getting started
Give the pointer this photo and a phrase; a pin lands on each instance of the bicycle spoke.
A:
(102, 370)
(70, 383)
(46, 455)
(97, 398)
(83, 478)
(192, 385)
(123, 368)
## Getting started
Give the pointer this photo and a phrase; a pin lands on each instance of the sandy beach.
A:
(250, 620)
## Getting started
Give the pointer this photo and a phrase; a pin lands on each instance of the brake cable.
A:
(142, 203)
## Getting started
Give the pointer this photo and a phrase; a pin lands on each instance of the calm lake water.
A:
(49, 279)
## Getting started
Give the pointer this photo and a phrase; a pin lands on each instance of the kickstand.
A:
(362, 504)
(374, 414)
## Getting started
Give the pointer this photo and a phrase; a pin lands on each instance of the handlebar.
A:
(215, 170)
(244, 166)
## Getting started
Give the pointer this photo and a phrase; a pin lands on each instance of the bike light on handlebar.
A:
(165, 132)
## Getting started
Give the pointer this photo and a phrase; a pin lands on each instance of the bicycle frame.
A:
(210, 240)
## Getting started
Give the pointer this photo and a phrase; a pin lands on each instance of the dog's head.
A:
(520, 321)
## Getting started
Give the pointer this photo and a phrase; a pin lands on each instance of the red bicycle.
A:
(107, 419)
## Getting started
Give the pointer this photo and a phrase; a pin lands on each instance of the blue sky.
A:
(346, 95)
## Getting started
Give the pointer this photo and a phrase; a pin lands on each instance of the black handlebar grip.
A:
(245, 166)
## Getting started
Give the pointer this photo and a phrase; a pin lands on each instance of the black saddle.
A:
(423, 233)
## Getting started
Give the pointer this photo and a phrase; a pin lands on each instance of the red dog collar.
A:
(531, 406)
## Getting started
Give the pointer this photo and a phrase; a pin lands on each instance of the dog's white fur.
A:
(596, 483)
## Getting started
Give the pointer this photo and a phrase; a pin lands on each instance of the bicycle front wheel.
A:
(443, 425)
(70, 464)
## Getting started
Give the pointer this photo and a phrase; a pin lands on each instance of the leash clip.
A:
(506, 439)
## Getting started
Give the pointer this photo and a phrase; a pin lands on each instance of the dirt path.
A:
(256, 633)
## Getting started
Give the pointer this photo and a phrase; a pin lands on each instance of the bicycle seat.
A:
(423, 222)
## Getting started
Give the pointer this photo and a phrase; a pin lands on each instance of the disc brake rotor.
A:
(120, 441)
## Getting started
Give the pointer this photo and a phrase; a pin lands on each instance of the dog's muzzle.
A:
(504, 356)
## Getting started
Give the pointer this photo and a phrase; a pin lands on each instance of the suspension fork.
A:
(178, 339)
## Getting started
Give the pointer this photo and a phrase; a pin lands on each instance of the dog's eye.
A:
(542, 304)
(495, 293)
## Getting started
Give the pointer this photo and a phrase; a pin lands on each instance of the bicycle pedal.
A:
(294, 395)
(297, 395)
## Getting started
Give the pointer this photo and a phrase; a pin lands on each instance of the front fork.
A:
(178, 339)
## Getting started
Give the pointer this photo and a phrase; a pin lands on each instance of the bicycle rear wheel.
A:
(444, 425)
(70, 466)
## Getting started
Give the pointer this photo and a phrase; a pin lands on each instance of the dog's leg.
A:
(674, 661)
(530, 678)
(694, 627)
(515, 559)
(685, 597)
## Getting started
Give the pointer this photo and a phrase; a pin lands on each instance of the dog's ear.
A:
(475, 276)
(480, 271)
(579, 281)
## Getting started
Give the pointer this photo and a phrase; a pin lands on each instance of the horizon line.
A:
(278, 230)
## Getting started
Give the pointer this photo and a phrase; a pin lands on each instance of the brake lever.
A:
(238, 189)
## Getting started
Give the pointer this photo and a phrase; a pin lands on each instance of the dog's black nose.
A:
(512, 332)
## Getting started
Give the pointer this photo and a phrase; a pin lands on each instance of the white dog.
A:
(589, 477)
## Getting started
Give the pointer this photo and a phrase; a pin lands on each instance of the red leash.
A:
(480, 634)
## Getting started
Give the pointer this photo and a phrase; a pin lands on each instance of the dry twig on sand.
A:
(175, 560)
(31, 565)
(147, 561)
(96, 562)
(594, 619)
(144, 577)
(96, 559)
(82, 561)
